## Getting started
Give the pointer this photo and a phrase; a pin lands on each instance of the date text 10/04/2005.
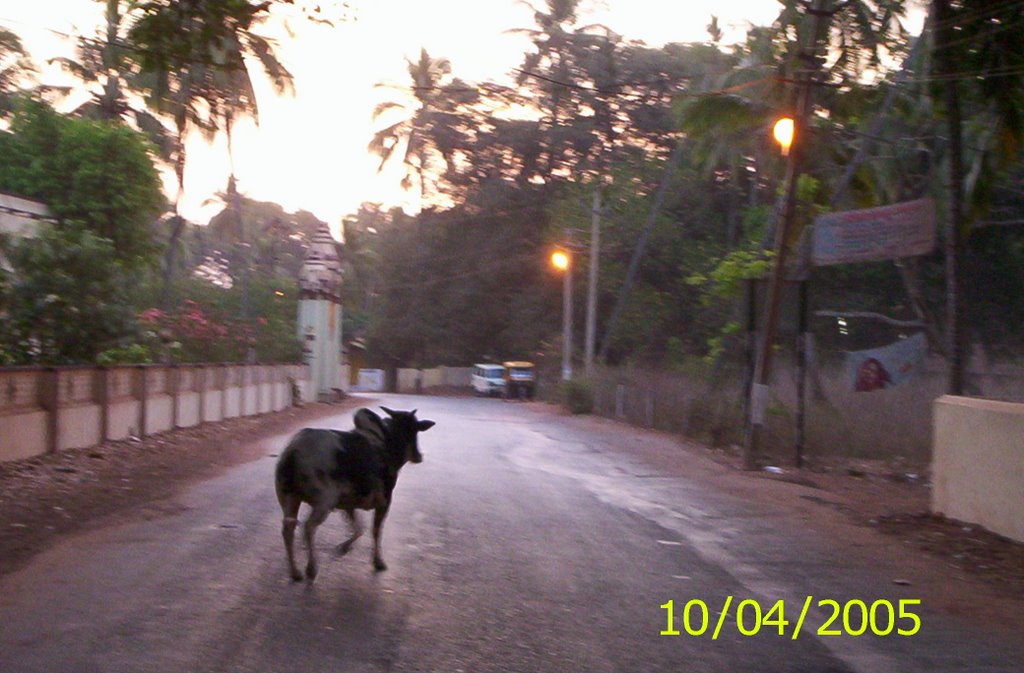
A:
(851, 618)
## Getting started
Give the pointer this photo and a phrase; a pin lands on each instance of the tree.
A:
(104, 64)
(66, 302)
(429, 89)
(970, 40)
(95, 174)
(14, 67)
(196, 51)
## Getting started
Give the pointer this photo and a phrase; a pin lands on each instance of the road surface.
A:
(522, 543)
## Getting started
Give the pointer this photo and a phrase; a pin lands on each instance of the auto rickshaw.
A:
(520, 380)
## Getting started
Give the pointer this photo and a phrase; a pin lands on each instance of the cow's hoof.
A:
(343, 548)
(379, 565)
(296, 576)
(310, 573)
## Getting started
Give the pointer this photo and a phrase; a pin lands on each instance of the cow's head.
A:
(403, 430)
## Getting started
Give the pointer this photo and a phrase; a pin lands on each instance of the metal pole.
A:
(567, 322)
(955, 343)
(759, 391)
(595, 248)
(801, 394)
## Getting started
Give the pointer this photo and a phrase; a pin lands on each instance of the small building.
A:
(320, 316)
(20, 217)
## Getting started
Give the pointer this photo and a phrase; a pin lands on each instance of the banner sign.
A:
(887, 366)
(873, 234)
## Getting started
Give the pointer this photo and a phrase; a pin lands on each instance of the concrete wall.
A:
(416, 380)
(49, 409)
(978, 463)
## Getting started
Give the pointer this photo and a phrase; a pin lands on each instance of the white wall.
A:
(978, 463)
(49, 409)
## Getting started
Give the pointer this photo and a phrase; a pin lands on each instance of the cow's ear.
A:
(389, 412)
(423, 426)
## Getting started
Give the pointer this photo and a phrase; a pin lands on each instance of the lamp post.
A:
(562, 261)
(791, 135)
(784, 132)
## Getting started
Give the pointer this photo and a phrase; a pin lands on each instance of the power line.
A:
(966, 39)
(981, 13)
(486, 270)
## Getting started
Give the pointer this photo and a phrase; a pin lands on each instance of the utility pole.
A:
(562, 260)
(759, 391)
(595, 250)
(955, 225)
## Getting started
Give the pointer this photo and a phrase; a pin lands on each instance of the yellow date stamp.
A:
(840, 618)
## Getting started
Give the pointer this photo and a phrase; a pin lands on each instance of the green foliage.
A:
(66, 300)
(96, 173)
(136, 353)
(15, 64)
(716, 344)
(458, 285)
(578, 396)
(725, 280)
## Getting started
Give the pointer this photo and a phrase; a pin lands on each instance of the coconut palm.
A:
(118, 88)
(196, 52)
(14, 67)
(430, 77)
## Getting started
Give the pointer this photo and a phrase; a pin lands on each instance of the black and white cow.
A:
(333, 469)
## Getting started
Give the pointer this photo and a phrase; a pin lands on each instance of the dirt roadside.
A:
(870, 508)
(47, 497)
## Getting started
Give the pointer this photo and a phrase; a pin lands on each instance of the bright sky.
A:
(309, 151)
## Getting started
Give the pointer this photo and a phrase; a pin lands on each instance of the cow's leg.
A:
(357, 531)
(290, 509)
(378, 523)
(313, 521)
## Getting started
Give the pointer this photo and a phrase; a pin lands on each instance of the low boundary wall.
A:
(45, 409)
(978, 463)
(417, 380)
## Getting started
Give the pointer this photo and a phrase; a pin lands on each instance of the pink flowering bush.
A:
(192, 334)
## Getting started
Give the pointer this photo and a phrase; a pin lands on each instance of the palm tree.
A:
(726, 122)
(572, 70)
(14, 67)
(196, 52)
(104, 64)
(429, 78)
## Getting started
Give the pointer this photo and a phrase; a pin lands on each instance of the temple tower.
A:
(320, 314)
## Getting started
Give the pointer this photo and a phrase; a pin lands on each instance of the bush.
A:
(125, 355)
(578, 397)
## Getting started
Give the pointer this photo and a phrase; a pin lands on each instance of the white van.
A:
(489, 379)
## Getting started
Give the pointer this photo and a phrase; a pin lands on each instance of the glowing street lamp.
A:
(783, 133)
(561, 260)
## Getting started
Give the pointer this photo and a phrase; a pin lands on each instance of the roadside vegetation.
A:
(673, 142)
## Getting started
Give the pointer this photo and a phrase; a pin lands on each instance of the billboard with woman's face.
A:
(887, 366)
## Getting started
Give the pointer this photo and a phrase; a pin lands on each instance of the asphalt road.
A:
(521, 543)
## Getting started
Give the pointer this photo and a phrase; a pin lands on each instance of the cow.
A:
(344, 470)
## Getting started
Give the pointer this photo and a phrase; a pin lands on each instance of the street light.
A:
(561, 260)
(783, 134)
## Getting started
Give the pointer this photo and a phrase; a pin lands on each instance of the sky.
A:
(309, 150)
